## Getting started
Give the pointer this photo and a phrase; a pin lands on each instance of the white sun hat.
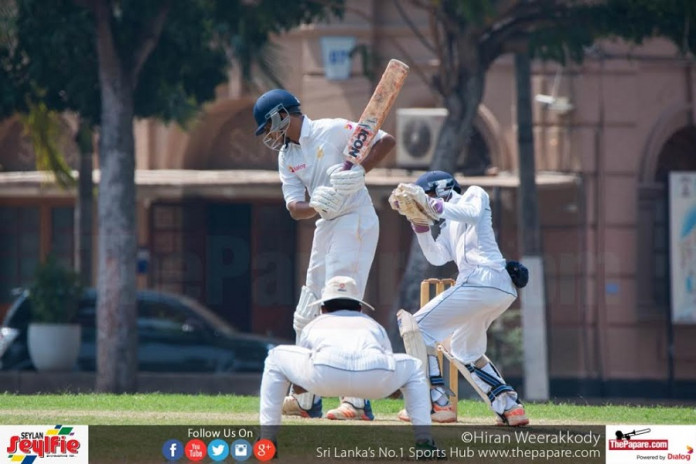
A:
(341, 287)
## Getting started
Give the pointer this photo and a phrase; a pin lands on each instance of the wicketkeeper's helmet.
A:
(270, 104)
(438, 182)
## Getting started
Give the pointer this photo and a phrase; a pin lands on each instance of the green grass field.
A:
(148, 409)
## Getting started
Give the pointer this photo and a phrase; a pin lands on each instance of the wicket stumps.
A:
(426, 294)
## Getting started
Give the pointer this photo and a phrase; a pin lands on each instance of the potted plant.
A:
(53, 336)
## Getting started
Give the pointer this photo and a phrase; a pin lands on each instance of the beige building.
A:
(213, 223)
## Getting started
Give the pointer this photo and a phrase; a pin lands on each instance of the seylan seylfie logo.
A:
(26, 444)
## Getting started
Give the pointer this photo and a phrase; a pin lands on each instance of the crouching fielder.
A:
(344, 352)
(483, 290)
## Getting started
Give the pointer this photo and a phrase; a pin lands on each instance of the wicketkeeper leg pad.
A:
(486, 381)
(487, 377)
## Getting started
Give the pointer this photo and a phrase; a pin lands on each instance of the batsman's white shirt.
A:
(346, 244)
(483, 289)
(344, 353)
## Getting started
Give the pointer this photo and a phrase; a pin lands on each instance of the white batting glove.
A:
(347, 182)
(327, 202)
(334, 168)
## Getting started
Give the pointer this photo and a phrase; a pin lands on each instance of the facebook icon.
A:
(172, 450)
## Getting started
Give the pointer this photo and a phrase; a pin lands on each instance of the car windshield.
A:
(210, 317)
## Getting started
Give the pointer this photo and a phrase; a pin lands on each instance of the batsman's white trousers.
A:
(464, 311)
(287, 364)
(344, 246)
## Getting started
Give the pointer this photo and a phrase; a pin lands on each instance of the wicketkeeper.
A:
(484, 289)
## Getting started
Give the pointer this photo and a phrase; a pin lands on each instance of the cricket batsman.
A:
(311, 164)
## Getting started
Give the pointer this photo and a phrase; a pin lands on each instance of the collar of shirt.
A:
(306, 129)
(305, 132)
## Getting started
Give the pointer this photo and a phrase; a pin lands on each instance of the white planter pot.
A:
(54, 347)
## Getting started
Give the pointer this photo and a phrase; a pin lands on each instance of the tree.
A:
(40, 110)
(467, 36)
(113, 60)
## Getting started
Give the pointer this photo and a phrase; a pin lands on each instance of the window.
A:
(653, 259)
(62, 240)
(166, 317)
(19, 248)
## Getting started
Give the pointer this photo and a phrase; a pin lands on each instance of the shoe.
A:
(513, 417)
(427, 451)
(403, 416)
(443, 414)
(347, 411)
(292, 408)
(440, 414)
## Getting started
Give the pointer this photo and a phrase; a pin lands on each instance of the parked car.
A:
(175, 334)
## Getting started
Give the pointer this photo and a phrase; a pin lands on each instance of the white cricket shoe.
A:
(292, 408)
(346, 411)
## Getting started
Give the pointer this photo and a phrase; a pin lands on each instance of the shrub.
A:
(55, 294)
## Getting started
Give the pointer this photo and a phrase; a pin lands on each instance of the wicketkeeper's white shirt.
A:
(320, 146)
(468, 239)
(348, 340)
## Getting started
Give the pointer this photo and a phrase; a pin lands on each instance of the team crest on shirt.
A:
(299, 167)
(348, 126)
(320, 152)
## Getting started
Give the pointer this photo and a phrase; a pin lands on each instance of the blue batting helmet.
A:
(271, 102)
(438, 182)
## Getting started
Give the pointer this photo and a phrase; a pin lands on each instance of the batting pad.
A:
(413, 338)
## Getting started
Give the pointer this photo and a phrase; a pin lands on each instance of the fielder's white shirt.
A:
(303, 167)
(468, 239)
(348, 340)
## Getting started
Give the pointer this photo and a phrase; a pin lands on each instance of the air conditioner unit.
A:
(417, 130)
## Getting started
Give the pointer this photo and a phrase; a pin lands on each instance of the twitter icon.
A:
(218, 450)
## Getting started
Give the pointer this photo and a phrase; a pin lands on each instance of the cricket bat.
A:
(375, 112)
